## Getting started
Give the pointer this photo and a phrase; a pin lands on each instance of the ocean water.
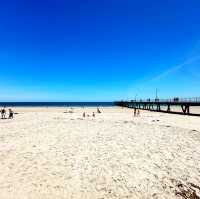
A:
(55, 104)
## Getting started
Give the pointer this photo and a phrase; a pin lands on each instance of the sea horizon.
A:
(56, 104)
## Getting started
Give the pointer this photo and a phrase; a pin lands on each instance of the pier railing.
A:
(176, 99)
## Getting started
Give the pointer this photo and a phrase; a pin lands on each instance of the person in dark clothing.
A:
(11, 114)
(3, 113)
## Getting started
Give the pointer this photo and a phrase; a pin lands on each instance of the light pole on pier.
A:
(136, 96)
(156, 94)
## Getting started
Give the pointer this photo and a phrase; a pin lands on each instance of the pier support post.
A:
(168, 108)
(186, 109)
(158, 107)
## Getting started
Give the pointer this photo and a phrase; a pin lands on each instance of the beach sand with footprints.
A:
(51, 153)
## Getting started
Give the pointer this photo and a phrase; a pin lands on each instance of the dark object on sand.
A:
(11, 114)
(187, 191)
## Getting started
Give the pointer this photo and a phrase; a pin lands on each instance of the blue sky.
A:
(98, 50)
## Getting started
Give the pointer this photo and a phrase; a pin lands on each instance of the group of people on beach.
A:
(93, 114)
(3, 113)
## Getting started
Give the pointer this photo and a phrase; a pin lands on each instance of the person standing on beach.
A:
(11, 114)
(3, 113)
(135, 112)
(138, 112)
(93, 114)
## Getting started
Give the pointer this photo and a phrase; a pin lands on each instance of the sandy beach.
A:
(46, 153)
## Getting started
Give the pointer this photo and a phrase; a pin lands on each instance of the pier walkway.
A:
(163, 105)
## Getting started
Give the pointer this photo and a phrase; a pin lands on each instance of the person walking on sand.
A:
(84, 114)
(93, 115)
(11, 114)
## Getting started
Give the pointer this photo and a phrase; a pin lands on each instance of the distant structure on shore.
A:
(158, 104)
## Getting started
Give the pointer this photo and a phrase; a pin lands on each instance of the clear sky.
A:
(98, 50)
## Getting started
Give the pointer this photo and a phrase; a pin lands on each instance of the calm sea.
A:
(56, 104)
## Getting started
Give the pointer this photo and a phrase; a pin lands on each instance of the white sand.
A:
(48, 154)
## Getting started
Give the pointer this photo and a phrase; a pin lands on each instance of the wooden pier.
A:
(157, 105)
